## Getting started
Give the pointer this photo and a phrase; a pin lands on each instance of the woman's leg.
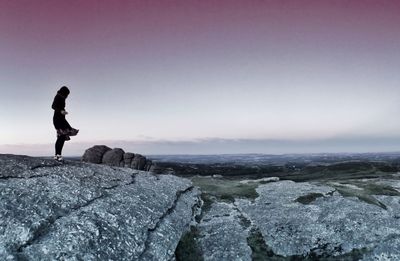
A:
(60, 144)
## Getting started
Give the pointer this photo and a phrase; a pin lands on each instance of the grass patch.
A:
(360, 194)
(226, 189)
(188, 248)
(377, 189)
(366, 192)
(307, 199)
(244, 222)
(208, 200)
(260, 250)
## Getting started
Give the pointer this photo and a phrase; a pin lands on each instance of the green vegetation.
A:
(365, 190)
(260, 251)
(225, 169)
(307, 199)
(225, 189)
(378, 189)
(316, 169)
(361, 195)
(188, 248)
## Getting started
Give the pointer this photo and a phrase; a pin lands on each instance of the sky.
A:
(200, 77)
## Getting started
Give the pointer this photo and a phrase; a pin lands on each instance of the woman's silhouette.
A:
(64, 130)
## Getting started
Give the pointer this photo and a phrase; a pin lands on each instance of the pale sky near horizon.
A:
(192, 72)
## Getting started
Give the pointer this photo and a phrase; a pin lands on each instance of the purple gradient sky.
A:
(193, 72)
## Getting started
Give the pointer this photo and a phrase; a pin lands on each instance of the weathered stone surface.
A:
(138, 162)
(148, 165)
(154, 168)
(81, 211)
(95, 154)
(223, 236)
(329, 225)
(388, 250)
(113, 157)
(117, 157)
(170, 226)
(128, 159)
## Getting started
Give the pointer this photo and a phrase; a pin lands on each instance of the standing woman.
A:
(64, 130)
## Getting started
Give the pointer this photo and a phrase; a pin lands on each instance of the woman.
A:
(64, 130)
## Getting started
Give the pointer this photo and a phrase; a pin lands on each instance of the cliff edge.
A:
(84, 211)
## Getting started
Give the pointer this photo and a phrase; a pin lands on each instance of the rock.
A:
(223, 236)
(389, 250)
(95, 154)
(170, 171)
(81, 211)
(113, 157)
(128, 159)
(154, 168)
(142, 163)
(117, 157)
(262, 180)
(148, 165)
(304, 219)
(138, 162)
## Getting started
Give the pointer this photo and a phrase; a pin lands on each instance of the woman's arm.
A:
(58, 104)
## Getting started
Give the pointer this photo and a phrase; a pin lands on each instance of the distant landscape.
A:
(295, 167)
(227, 180)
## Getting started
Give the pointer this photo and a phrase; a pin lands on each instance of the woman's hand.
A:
(63, 112)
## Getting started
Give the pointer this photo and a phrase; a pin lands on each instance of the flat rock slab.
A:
(312, 220)
(222, 234)
(83, 211)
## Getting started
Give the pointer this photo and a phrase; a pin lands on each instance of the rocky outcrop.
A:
(95, 154)
(114, 157)
(128, 159)
(117, 157)
(82, 211)
(222, 235)
(324, 220)
(308, 221)
(138, 162)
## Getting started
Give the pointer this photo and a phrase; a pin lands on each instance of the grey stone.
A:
(154, 168)
(128, 159)
(95, 154)
(117, 157)
(83, 211)
(148, 165)
(330, 225)
(138, 162)
(113, 157)
(170, 226)
(222, 236)
(387, 250)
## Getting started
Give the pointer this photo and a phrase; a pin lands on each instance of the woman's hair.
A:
(64, 91)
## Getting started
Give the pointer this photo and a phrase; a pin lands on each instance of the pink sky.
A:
(195, 70)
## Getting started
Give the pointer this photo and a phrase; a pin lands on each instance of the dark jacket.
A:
(58, 105)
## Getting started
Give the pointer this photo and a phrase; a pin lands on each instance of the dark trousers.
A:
(60, 144)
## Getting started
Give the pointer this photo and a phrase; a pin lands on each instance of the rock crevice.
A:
(82, 211)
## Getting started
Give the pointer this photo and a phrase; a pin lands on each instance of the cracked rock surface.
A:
(83, 211)
(223, 234)
(329, 225)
